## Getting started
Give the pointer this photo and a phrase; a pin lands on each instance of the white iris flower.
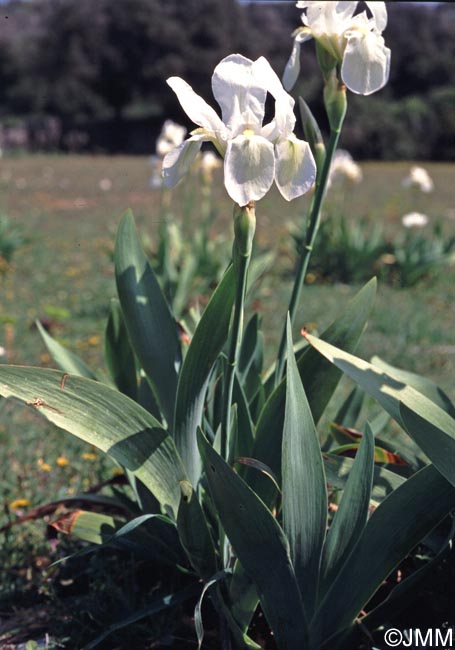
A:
(354, 41)
(171, 136)
(254, 154)
(419, 177)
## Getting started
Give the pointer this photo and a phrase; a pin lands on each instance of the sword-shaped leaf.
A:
(339, 468)
(422, 384)
(260, 545)
(434, 429)
(194, 533)
(64, 358)
(105, 418)
(319, 381)
(119, 354)
(206, 344)
(152, 329)
(304, 485)
(397, 525)
(351, 517)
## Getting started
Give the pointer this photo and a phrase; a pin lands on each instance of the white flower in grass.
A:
(254, 154)
(414, 220)
(344, 168)
(156, 180)
(354, 41)
(420, 178)
(171, 136)
(209, 162)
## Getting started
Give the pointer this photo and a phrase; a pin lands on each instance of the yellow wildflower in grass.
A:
(62, 461)
(89, 455)
(94, 340)
(44, 466)
(19, 503)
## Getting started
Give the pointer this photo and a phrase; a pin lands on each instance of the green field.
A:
(62, 274)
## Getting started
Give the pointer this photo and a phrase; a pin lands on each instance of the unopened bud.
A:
(335, 102)
(310, 126)
(244, 228)
(312, 134)
(319, 156)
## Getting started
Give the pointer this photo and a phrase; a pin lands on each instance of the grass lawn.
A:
(68, 208)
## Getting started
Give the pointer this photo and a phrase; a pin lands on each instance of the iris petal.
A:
(379, 11)
(284, 103)
(178, 161)
(366, 62)
(239, 92)
(295, 167)
(195, 107)
(249, 168)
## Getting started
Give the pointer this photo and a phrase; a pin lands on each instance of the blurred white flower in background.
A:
(419, 178)
(156, 180)
(344, 169)
(209, 161)
(105, 184)
(414, 220)
(172, 134)
(21, 183)
(254, 154)
(354, 41)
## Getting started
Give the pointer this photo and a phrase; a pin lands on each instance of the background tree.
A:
(103, 65)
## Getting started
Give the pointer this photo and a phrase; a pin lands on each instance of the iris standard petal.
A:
(295, 169)
(195, 107)
(284, 103)
(366, 62)
(240, 94)
(379, 11)
(178, 161)
(249, 168)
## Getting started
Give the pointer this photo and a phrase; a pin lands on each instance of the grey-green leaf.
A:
(435, 436)
(194, 533)
(206, 344)
(152, 329)
(261, 546)
(338, 469)
(304, 485)
(351, 516)
(434, 432)
(64, 358)
(422, 384)
(319, 381)
(395, 528)
(105, 418)
(119, 354)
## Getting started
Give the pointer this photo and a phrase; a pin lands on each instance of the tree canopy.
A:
(96, 60)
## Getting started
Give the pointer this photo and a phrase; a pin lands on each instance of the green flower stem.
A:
(244, 227)
(313, 226)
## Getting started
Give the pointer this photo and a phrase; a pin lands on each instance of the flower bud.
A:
(244, 228)
(335, 102)
(312, 133)
(319, 156)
